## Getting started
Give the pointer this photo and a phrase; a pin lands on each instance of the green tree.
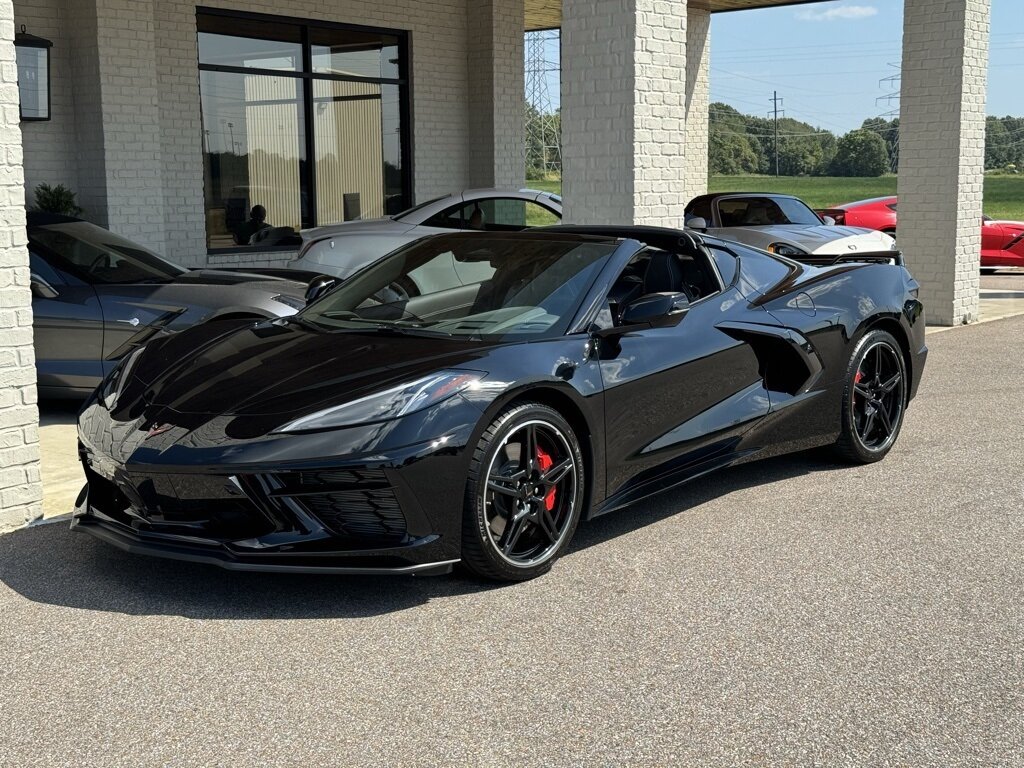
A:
(860, 153)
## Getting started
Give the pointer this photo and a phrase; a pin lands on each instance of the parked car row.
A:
(1002, 242)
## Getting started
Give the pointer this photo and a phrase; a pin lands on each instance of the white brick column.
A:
(118, 117)
(623, 111)
(497, 148)
(698, 102)
(20, 487)
(942, 151)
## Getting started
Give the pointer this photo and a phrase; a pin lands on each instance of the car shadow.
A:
(49, 564)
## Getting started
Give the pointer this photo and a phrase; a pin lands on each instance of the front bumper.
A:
(396, 514)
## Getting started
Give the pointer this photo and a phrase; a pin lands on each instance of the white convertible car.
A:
(785, 225)
(341, 249)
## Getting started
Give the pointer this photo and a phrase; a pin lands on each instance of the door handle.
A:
(134, 322)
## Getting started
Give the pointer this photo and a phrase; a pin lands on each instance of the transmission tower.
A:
(543, 134)
(891, 99)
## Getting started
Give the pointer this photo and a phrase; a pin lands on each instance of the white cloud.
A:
(843, 13)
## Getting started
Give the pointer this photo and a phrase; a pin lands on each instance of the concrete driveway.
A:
(793, 612)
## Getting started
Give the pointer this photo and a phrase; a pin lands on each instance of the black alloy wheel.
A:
(524, 496)
(875, 399)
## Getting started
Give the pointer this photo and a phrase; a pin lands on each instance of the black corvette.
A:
(526, 382)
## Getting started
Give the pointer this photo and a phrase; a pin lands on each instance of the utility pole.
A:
(776, 101)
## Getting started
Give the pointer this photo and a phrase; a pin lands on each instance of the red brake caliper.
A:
(545, 462)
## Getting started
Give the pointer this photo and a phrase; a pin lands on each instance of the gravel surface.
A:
(792, 612)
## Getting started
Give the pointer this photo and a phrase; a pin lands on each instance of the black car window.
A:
(526, 287)
(701, 208)
(449, 218)
(39, 266)
(765, 212)
(726, 263)
(760, 272)
(99, 256)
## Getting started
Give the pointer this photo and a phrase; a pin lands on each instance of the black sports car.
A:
(97, 296)
(536, 379)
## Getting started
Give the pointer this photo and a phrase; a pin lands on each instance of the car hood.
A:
(230, 277)
(281, 368)
(814, 239)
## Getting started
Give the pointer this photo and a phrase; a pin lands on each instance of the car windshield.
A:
(99, 256)
(765, 212)
(472, 285)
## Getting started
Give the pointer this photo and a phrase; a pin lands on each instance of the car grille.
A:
(356, 504)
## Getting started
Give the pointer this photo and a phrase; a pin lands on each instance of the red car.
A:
(1002, 242)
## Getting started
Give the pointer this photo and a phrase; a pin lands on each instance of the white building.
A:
(171, 118)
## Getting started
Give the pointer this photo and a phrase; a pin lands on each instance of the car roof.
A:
(42, 219)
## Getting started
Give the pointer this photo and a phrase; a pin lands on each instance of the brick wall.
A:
(942, 151)
(624, 111)
(698, 101)
(20, 488)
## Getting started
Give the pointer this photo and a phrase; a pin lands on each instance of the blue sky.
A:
(829, 60)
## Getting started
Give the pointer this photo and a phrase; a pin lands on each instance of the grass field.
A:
(1004, 195)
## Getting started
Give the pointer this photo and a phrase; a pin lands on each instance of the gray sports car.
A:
(784, 225)
(96, 296)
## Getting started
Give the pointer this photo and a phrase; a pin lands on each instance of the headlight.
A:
(111, 388)
(289, 301)
(786, 250)
(390, 404)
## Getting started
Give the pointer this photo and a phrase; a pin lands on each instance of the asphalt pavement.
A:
(792, 612)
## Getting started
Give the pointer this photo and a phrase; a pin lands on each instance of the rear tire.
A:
(874, 399)
(524, 496)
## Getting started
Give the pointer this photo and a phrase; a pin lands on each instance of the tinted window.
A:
(701, 208)
(100, 256)
(495, 215)
(39, 266)
(765, 212)
(760, 272)
(449, 218)
(726, 264)
(475, 286)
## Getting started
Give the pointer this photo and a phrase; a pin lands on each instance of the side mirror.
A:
(42, 289)
(697, 222)
(656, 309)
(320, 286)
(829, 221)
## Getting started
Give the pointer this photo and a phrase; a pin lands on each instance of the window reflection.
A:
(258, 181)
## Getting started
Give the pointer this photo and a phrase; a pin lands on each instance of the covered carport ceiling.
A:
(547, 14)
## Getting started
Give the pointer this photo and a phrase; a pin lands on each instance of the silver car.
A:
(341, 249)
(783, 224)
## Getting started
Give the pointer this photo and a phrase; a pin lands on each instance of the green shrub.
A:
(58, 199)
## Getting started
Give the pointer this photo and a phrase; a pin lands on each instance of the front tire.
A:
(874, 399)
(525, 494)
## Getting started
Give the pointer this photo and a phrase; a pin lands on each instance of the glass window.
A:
(495, 215)
(519, 287)
(33, 84)
(100, 256)
(266, 115)
(765, 211)
(254, 155)
(355, 53)
(39, 266)
(760, 272)
(726, 264)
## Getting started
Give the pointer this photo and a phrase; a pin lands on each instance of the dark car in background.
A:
(583, 370)
(97, 296)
